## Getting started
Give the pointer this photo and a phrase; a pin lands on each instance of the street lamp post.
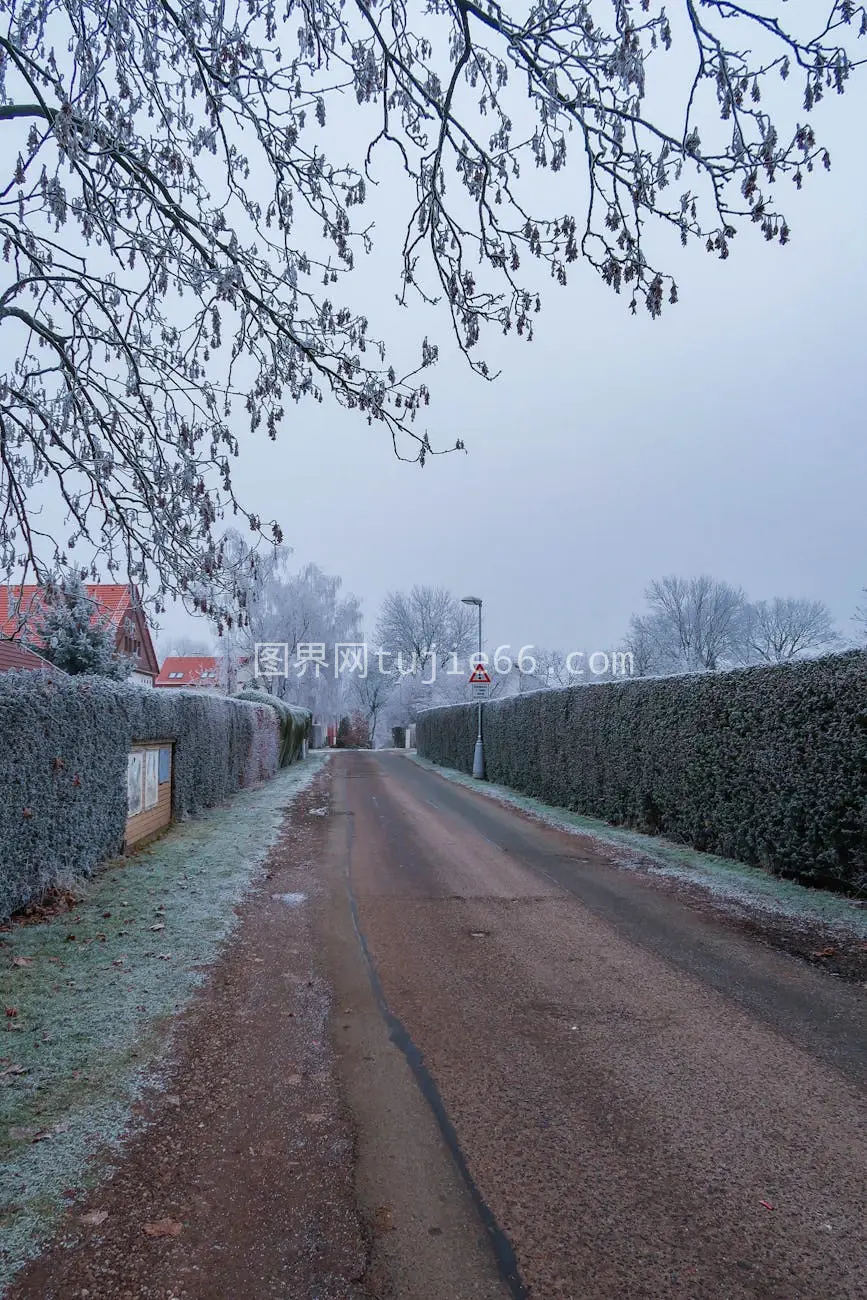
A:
(479, 752)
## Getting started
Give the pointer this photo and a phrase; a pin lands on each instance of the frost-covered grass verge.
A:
(93, 991)
(722, 878)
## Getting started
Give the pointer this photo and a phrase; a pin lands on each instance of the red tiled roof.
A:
(111, 599)
(13, 655)
(192, 670)
(118, 602)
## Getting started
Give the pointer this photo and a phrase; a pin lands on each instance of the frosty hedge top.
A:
(766, 765)
(63, 757)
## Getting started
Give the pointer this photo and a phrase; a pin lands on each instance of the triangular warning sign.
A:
(479, 676)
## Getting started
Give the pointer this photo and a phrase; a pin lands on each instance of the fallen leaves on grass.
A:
(93, 1218)
(51, 904)
(22, 961)
(825, 952)
(163, 1228)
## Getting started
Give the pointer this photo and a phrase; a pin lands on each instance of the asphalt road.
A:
(641, 1100)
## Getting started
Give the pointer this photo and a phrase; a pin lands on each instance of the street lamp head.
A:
(471, 600)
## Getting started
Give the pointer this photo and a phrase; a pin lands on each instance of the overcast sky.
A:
(727, 437)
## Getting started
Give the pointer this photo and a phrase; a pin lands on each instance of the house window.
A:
(209, 674)
(174, 677)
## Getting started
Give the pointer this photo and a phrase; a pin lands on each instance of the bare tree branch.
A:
(173, 225)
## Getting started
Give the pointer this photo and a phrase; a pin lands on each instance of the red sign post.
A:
(480, 682)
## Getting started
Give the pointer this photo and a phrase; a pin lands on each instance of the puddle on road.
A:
(292, 900)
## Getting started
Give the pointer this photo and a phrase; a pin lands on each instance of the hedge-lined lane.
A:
(766, 765)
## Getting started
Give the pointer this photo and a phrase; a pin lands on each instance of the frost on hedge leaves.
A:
(295, 723)
(65, 766)
(763, 765)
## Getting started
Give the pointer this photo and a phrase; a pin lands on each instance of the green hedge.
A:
(765, 765)
(64, 743)
(296, 723)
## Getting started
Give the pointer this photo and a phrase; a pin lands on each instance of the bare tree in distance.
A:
(643, 642)
(371, 694)
(694, 625)
(180, 212)
(701, 624)
(861, 616)
(534, 670)
(784, 628)
(413, 692)
(551, 667)
(184, 646)
(293, 608)
(424, 624)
